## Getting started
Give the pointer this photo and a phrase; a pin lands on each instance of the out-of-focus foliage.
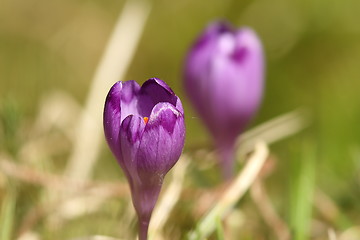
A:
(313, 55)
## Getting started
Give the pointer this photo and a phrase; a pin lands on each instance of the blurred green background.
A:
(312, 58)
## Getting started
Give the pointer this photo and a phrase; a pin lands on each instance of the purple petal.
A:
(212, 31)
(154, 91)
(236, 82)
(112, 118)
(129, 99)
(161, 143)
(131, 131)
(198, 67)
(159, 82)
(120, 102)
(224, 78)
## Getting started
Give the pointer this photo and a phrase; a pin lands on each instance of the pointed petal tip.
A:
(159, 82)
(133, 127)
(165, 115)
(249, 38)
(157, 90)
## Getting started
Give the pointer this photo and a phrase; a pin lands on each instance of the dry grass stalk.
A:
(52, 181)
(273, 130)
(112, 67)
(91, 188)
(332, 234)
(57, 110)
(234, 192)
(127, 219)
(352, 233)
(326, 206)
(29, 236)
(268, 211)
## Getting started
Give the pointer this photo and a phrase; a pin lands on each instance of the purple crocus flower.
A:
(224, 75)
(144, 127)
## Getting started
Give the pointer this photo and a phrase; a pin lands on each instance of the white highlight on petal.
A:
(246, 37)
(226, 43)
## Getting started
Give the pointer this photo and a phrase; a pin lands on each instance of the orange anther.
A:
(146, 119)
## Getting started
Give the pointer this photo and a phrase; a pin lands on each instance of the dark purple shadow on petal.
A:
(160, 83)
(213, 31)
(239, 54)
(152, 92)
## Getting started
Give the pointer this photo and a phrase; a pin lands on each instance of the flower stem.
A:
(226, 160)
(144, 199)
(143, 229)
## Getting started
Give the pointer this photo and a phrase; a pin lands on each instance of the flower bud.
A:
(145, 130)
(224, 75)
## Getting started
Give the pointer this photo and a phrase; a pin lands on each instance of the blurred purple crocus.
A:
(144, 128)
(224, 77)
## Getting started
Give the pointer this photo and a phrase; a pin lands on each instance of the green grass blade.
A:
(219, 230)
(302, 193)
(7, 216)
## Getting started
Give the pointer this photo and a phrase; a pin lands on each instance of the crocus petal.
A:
(224, 78)
(129, 100)
(112, 118)
(198, 69)
(121, 101)
(161, 143)
(154, 91)
(212, 32)
(131, 131)
(236, 79)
